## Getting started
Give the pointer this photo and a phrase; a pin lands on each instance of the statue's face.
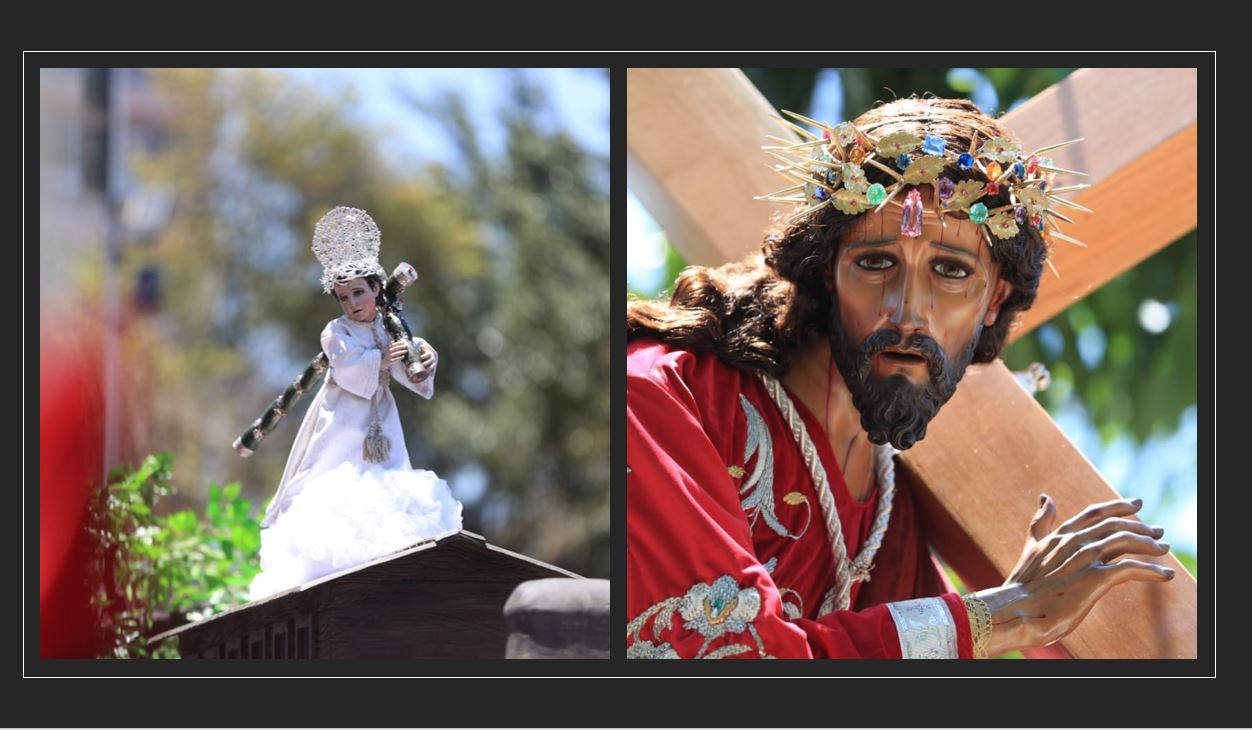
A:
(357, 298)
(909, 311)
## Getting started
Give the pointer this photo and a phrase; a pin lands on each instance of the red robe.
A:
(713, 571)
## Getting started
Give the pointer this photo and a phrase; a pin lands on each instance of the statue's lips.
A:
(902, 358)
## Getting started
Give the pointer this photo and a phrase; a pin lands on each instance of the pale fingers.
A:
(1102, 551)
(1099, 512)
(1062, 547)
(1128, 569)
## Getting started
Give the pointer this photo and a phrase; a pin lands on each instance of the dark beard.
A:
(893, 409)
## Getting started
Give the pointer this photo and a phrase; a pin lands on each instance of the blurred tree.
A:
(513, 258)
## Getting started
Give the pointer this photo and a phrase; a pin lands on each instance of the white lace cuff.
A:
(926, 628)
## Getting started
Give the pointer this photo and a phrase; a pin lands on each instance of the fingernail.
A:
(1169, 572)
(1043, 499)
(1158, 530)
(1137, 502)
(1164, 546)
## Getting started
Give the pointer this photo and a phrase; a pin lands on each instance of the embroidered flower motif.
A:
(720, 608)
(712, 611)
(736, 471)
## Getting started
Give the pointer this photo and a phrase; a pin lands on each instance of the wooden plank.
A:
(693, 157)
(1139, 127)
(978, 475)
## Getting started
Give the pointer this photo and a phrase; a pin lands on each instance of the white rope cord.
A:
(839, 597)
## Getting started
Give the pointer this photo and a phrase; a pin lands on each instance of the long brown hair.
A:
(757, 312)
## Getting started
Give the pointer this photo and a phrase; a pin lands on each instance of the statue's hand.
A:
(394, 353)
(1062, 572)
(426, 356)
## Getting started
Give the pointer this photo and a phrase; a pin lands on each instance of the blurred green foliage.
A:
(151, 572)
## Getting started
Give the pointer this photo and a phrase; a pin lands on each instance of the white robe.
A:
(333, 509)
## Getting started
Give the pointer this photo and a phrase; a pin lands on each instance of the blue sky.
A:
(579, 98)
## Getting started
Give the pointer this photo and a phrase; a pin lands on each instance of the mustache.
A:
(922, 344)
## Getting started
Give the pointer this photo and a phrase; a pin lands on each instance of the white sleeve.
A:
(353, 366)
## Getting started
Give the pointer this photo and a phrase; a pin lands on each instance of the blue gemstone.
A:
(1019, 214)
(1019, 170)
(820, 194)
(965, 161)
(933, 145)
(902, 162)
(1044, 186)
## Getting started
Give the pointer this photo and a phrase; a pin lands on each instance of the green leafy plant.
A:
(154, 572)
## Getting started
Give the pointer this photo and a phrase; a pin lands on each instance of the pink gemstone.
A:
(911, 223)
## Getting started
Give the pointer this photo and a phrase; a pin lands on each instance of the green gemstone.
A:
(978, 213)
(876, 194)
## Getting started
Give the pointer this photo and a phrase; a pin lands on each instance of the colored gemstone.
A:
(992, 188)
(978, 213)
(1019, 170)
(946, 188)
(826, 134)
(911, 221)
(903, 162)
(876, 194)
(1032, 164)
(1038, 221)
(993, 171)
(857, 155)
(1019, 215)
(1046, 161)
(1043, 185)
(933, 145)
(819, 193)
(965, 161)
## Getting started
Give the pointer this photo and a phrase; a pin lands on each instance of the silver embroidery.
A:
(925, 628)
(760, 503)
(710, 610)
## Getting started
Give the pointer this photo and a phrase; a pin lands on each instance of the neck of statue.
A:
(817, 382)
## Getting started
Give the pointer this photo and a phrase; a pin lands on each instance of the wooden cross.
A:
(693, 136)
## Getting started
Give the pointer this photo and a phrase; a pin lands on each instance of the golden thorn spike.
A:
(1055, 273)
(1058, 215)
(884, 168)
(784, 191)
(1062, 171)
(795, 217)
(1057, 234)
(1069, 203)
(986, 232)
(894, 189)
(799, 130)
(1068, 188)
(993, 211)
(1056, 146)
(806, 120)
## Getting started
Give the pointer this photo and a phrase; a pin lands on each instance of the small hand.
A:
(394, 353)
(426, 356)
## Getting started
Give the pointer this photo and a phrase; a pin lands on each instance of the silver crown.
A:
(346, 241)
